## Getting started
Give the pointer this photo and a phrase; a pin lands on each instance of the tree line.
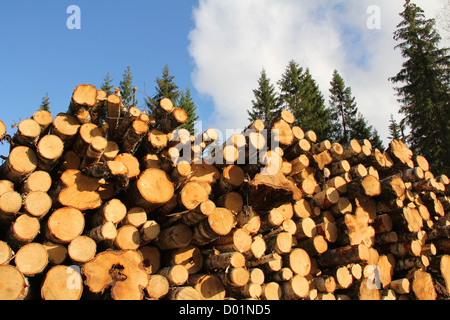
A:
(422, 87)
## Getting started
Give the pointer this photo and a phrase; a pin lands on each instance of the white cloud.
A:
(234, 39)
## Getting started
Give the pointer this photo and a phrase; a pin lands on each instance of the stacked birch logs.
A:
(130, 208)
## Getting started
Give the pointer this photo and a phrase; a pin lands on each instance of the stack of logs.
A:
(94, 209)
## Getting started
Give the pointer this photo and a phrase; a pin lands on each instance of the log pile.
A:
(129, 208)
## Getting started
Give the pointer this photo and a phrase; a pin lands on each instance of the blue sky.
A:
(39, 53)
(216, 47)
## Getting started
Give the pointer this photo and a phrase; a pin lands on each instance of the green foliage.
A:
(165, 88)
(45, 103)
(395, 132)
(187, 104)
(423, 87)
(301, 95)
(266, 105)
(126, 88)
(343, 110)
(107, 85)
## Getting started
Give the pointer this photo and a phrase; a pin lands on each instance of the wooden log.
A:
(37, 203)
(297, 149)
(66, 127)
(64, 225)
(175, 237)
(152, 258)
(238, 240)
(209, 286)
(296, 288)
(215, 225)
(151, 190)
(192, 195)
(15, 285)
(57, 253)
(10, 204)
(183, 293)
(422, 286)
(326, 198)
(21, 162)
(79, 191)
(28, 133)
(149, 231)
(131, 162)
(113, 102)
(280, 243)
(189, 256)
(6, 253)
(44, 118)
(275, 187)
(367, 186)
(82, 249)
(173, 120)
(232, 201)
(134, 136)
(344, 256)
(31, 259)
(234, 277)
(222, 261)
(158, 287)
(84, 95)
(94, 152)
(103, 232)
(122, 271)
(281, 134)
(162, 109)
(400, 154)
(22, 231)
(62, 283)
(49, 150)
(37, 181)
(177, 275)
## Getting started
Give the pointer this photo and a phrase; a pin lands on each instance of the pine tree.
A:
(301, 95)
(394, 129)
(290, 85)
(126, 88)
(107, 85)
(266, 105)
(343, 109)
(187, 104)
(45, 104)
(423, 87)
(166, 88)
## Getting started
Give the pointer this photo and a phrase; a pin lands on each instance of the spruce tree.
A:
(394, 129)
(165, 88)
(45, 104)
(343, 109)
(290, 85)
(301, 95)
(187, 104)
(266, 105)
(126, 88)
(423, 87)
(107, 85)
